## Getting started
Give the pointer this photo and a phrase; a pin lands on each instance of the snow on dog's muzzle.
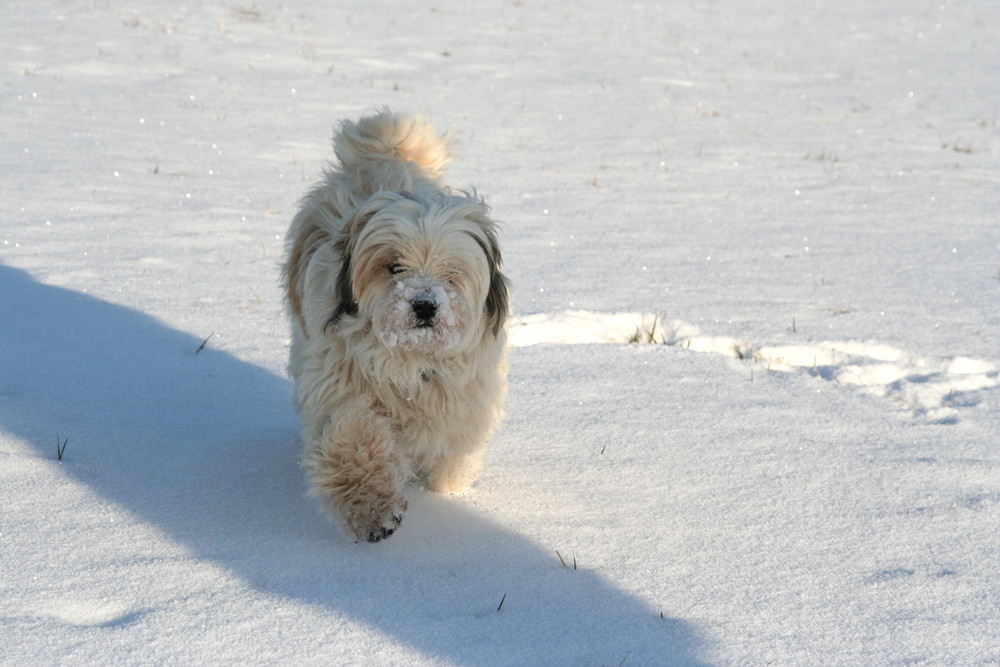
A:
(421, 314)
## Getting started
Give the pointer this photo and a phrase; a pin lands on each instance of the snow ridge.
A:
(931, 388)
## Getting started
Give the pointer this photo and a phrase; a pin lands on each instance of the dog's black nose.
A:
(424, 310)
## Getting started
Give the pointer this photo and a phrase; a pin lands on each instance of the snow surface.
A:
(794, 209)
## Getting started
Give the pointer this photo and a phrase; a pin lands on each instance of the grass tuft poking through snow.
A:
(61, 447)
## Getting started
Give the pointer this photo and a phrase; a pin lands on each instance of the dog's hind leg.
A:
(353, 467)
(455, 472)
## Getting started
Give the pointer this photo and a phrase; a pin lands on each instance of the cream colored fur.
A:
(385, 393)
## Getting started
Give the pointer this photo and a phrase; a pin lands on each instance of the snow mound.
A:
(933, 388)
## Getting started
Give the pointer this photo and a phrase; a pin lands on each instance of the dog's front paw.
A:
(356, 471)
(374, 524)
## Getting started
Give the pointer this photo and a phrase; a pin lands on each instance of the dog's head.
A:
(425, 269)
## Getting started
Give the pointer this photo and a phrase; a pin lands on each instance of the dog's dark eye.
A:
(395, 268)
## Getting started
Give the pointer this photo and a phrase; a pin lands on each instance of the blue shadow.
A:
(203, 446)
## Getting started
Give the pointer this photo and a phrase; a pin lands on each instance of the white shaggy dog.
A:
(399, 310)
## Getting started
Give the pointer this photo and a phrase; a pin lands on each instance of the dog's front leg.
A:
(354, 468)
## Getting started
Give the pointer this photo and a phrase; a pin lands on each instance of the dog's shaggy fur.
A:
(398, 308)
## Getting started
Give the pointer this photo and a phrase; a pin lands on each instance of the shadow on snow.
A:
(203, 447)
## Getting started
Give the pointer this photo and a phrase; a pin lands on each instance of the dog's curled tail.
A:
(388, 136)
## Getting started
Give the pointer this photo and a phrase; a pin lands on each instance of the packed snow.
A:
(754, 409)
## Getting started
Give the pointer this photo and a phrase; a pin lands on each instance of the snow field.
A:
(804, 202)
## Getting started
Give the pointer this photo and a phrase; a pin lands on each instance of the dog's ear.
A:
(308, 235)
(347, 243)
(346, 303)
(344, 287)
(497, 306)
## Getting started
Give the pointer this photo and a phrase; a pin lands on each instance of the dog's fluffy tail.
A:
(388, 136)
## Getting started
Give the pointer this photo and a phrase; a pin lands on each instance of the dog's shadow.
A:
(203, 446)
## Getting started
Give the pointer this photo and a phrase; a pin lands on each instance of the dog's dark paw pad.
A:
(382, 532)
(378, 523)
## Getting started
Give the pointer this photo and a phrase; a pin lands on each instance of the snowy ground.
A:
(793, 211)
